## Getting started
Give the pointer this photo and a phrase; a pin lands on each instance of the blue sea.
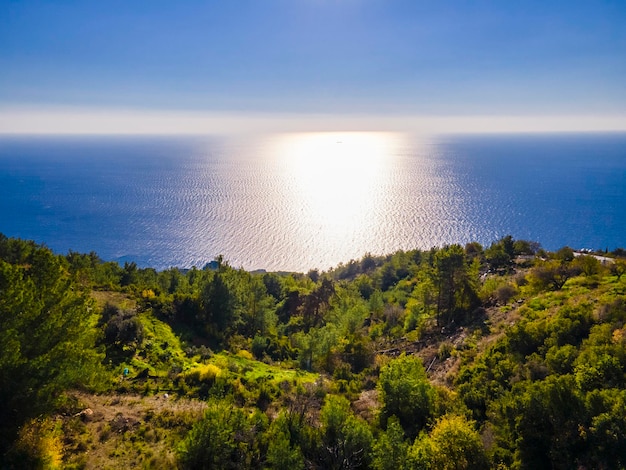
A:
(313, 200)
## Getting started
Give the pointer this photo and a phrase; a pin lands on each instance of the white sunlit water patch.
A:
(334, 184)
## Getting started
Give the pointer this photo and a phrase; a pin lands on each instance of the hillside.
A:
(505, 356)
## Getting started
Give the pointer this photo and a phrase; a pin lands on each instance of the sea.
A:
(301, 201)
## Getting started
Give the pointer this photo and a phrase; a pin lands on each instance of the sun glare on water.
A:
(336, 180)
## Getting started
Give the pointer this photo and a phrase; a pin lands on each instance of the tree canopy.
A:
(456, 357)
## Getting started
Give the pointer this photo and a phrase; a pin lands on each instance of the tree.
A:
(389, 276)
(618, 268)
(318, 347)
(508, 244)
(129, 274)
(454, 281)
(500, 254)
(257, 313)
(224, 438)
(589, 265)
(565, 254)
(497, 257)
(406, 393)
(474, 250)
(606, 434)
(47, 342)
(552, 274)
(123, 332)
(449, 267)
(273, 285)
(365, 286)
(525, 247)
(219, 305)
(545, 419)
(390, 449)
(453, 444)
(282, 453)
(346, 439)
(314, 275)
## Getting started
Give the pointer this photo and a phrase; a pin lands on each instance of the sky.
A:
(202, 66)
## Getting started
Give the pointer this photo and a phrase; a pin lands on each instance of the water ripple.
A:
(295, 202)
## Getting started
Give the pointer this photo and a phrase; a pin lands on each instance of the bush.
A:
(224, 438)
(406, 393)
(259, 346)
(453, 444)
(445, 350)
(38, 445)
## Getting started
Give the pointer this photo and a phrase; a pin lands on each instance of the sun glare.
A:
(334, 175)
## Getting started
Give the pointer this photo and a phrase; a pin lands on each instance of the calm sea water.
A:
(302, 201)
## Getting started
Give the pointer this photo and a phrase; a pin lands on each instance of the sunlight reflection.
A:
(337, 179)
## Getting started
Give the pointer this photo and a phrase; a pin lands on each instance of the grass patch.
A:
(119, 299)
(251, 370)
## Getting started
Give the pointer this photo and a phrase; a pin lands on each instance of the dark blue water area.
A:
(159, 200)
(556, 189)
(90, 193)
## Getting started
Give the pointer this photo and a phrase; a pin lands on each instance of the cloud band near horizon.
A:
(84, 121)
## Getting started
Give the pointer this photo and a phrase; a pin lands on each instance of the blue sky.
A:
(316, 57)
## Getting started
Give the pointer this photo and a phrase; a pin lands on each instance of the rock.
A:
(86, 414)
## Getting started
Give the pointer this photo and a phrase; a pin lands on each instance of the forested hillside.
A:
(459, 357)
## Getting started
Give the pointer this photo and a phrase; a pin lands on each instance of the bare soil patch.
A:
(127, 431)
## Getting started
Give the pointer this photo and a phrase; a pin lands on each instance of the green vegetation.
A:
(505, 356)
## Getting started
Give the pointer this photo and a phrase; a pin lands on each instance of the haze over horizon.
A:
(319, 65)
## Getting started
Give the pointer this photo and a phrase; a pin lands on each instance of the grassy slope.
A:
(141, 430)
(133, 430)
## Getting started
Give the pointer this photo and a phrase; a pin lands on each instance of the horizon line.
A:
(65, 120)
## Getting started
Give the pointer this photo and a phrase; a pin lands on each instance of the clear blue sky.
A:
(317, 56)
